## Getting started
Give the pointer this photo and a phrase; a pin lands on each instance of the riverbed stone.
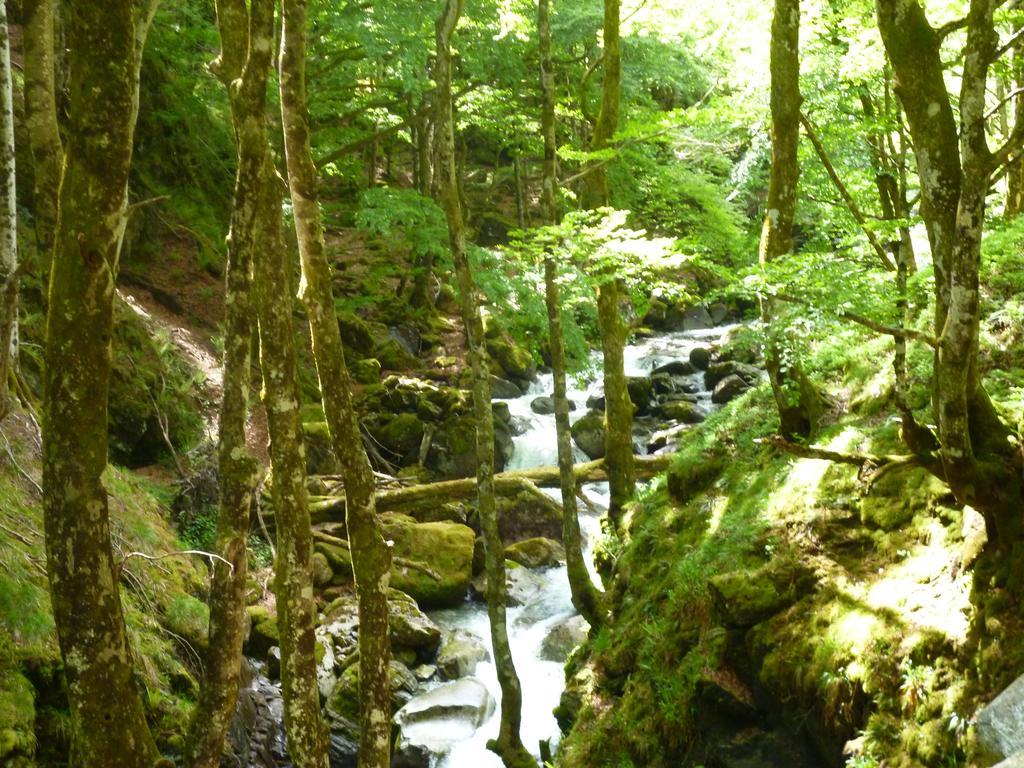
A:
(728, 389)
(676, 368)
(641, 391)
(438, 559)
(588, 434)
(511, 361)
(323, 575)
(435, 720)
(542, 405)
(700, 358)
(595, 403)
(526, 516)
(459, 654)
(720, 370)
(563, 638)
(682, 411)
(537, 552)
(503, 389)
(1000, 725)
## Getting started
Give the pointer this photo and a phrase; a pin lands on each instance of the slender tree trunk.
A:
(1015, 167)
(585, 596)
(282, 398)
(517, 167)
(107, 717)
(9, 228)
(41, 120)
(614, 331)
(796, 399)
(370, 554)
(508, 745)
(244, 66)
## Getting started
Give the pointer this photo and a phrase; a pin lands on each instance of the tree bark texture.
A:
(243, 66)
(371, 556)
(794, 395)
(107, 716)
(9, 227)
(955, 165)
(508, 745)
(41, 120)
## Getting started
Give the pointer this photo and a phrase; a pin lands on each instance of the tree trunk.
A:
(1015, 167)
(246, 57)
(107, 717)
(614, 331)
(795, 397)
(585, 595)
(371, 557)
(508, 745)
(9, 227)
(41, 120)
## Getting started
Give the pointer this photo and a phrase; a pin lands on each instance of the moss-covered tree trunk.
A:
(41, 119)
(614, 330)
(797, 401)
(107, 716)
(371, 557)
(8, 223)
(585, 595)
(508, 745)
(955, 165)
(243, 66)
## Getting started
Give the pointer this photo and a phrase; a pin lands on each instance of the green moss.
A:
(508, 360)
(17, 717)
(897, 498)
(190, 618)
(439, 559)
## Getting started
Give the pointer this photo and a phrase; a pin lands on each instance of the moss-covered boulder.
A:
(681, 411)
(401, 436)
(588, 434)
(358, 335)
(343, 703)
(536, 553)
(527, 516)
(264, 634)
(689, 474)
(366, 371)
(433, 561)
(410, 627)
(338, 559)
(750, 374)
(323, 574)
(898, 497)
(509, 360)
(320, 459)
(459, 654)
(17, 720)
(641, 390)
(747, 597)
(394, 357)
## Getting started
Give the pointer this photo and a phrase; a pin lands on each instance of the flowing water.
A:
(528, 625)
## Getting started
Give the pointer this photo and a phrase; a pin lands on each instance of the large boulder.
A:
(511, 361)
(1000, 725)
(452, 452)
(410, 628)
(720, 370)
(459, 654)
(682, 411)
(401, 436)
(588, 434)
(433, 561)
(896, 498)
(543, 405)
(700, 358)
(676, 368)
(536, 553)
(728, 389)
(343, 701)
(563, 638)
(641, 390)
(528, 515)
(503, 389)
(432, 722)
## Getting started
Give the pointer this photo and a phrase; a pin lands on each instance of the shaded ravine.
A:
(551, 605)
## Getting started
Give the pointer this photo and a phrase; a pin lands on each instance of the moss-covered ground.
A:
(845, 604)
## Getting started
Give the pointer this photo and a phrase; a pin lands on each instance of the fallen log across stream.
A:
(326, 509)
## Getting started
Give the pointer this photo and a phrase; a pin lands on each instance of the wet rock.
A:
(542, 405)
(719, 313)
(1000, 725)
(343, 702)
(563, 638)
(528, 515)
(522, 586)
(666, 439)
(700, 358)
(536, 553)
(274, 663)
(520, 425)
(409, 626)
(342, 749)
(459, 654)
(662, 383)
(503, 389)
(425, 672)
(756, 748)
(439, 559)
(588, 434)
(595, 403)
(747, 597)
(322, 573)
(720, 370)
(729, 389)
(433, 721)
(676, 368)
(682, 411)
(1016, 761)
(641, 391)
